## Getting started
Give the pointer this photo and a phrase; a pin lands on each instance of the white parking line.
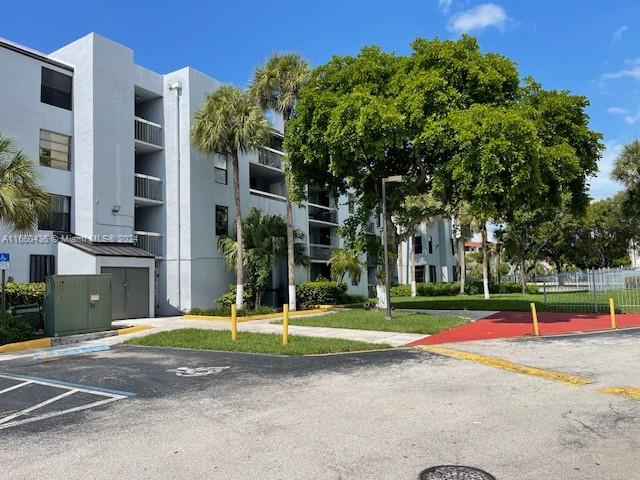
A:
(70, 389)
(15, 386)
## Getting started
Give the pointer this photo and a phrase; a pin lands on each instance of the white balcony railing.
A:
(270, 157)
(322, 213)
(147, 132)
(272, 196)
(149, 241)
(148, 187)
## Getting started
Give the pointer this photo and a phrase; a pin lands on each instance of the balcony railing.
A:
(148, 187)
(149, 241)
(323, 214)
(148, 132)
(269, 195)
(320, 252)
(270, 158)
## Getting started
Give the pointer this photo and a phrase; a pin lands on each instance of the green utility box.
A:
(77, 304)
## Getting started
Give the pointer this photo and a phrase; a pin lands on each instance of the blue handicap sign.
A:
(5, 257)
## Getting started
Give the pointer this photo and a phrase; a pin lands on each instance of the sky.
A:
(589, 47)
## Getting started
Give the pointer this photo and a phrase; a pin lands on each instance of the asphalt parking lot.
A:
(379, 415)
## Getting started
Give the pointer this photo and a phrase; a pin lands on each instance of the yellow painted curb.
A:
(28, 345)
(254, 317)
(566, 378)
(135, 328)
(629, 392)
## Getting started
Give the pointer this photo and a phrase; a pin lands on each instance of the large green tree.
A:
(276, 85)
(230, 123)
(627, 171)
(22, 199)
(451, 120)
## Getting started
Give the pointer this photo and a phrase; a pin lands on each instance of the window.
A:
(419, 272)
(430, 245)
(276, 142)
(351, 203)
(54, 150)
(455, 273)
(41, 266)
(222, 220)
(417, 244)
(453, 248)
(221, 170)
(58, 218)
(432, 274)
(56, 88)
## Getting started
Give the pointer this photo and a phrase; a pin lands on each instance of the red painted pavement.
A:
(519, 324)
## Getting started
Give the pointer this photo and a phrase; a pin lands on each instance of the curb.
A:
(28, 345)
(135, 328)
(63, 352)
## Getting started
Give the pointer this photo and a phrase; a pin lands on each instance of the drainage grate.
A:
(454, 472)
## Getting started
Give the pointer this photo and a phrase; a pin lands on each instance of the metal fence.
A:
(590, 290)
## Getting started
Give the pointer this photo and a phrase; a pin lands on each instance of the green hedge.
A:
(226, 311)
(453, 288)
(15, 330)
(25, 293)
(309, 294)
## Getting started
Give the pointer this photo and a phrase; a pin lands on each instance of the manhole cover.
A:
(454, 472)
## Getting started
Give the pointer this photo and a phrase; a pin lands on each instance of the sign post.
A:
(4, 265)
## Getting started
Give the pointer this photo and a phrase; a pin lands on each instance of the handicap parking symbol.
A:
(195, 371)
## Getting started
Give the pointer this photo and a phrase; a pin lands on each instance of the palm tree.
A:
(230, 123)
(263, 244)
(626, 168)
(462, 220)
(342, 262)
(276, 86)
(22, 199)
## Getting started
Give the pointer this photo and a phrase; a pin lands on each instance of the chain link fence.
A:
(590, 290)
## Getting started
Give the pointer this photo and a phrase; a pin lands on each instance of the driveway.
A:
(378, 415)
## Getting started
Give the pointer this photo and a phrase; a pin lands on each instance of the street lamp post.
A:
(385, 240)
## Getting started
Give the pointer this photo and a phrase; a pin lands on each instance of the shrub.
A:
(226, 300)
(347, 299)
(370, 303)
(309, 294)
(401, 291)
(226, 311)
(437, 289)
(25, 293)
(15, 330)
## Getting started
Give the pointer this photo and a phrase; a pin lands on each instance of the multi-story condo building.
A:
(130, 194)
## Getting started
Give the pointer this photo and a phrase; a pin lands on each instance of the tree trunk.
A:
(239, 235)
(485, 262)
(291, 261)
(523, 276)
(412, 268)
(463, 264)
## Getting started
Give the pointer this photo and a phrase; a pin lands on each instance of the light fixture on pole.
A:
(385, 241)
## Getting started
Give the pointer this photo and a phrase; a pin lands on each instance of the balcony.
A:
(147, 135)
(269, 195)
(149, 241)
(320, 253)
(270, 158)
(147, 190)
(323, 215)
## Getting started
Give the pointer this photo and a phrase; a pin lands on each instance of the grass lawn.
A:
(251, 342)
(403, 322)
(505, 301)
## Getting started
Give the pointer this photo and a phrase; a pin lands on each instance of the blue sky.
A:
(588, 47)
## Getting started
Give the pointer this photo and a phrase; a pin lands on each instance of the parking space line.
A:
(575, 380)
(35, 407)
(105, 392)
(629, 392)
(15, 386)
(61, 412)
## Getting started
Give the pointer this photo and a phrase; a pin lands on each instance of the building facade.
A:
(132, 197)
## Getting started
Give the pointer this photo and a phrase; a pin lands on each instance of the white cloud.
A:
(478, 18)
(630, 119)
(617, 35)
(633, 71)
(602, 185)
(445, 5)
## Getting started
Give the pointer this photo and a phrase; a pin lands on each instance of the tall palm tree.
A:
(626, 168)
(462, 220)
(342, 262)
(276, 86)
(263, 244)
(22, 199)
(230, 123)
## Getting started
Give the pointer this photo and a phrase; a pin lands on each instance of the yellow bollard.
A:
(534, 314)
(285, 324)
(234, 323)
(612, 312)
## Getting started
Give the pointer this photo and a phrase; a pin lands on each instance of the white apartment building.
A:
(132, 197)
